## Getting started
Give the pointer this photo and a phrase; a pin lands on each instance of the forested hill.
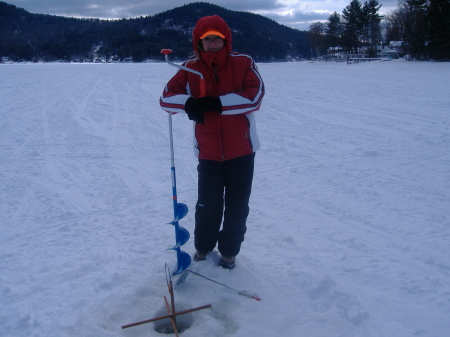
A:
(39, 37)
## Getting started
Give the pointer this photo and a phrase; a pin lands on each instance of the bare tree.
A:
(394, 25)
(317, 37)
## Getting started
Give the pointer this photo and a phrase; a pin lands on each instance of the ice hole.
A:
(164, 326)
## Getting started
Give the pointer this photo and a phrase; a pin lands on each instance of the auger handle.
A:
(166, 53)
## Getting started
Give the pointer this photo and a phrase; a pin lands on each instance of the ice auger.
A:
(179, 209)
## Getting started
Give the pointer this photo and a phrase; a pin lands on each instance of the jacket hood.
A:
(213, 22)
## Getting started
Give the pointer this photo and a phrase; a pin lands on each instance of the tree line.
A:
(423, 26)
(38, 37)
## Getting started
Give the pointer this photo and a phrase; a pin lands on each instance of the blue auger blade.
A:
(182, 236)
(180, 211)
(183, 261)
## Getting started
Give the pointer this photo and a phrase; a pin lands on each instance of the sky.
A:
(293, 13)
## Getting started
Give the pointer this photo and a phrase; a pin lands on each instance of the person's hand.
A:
(210, 103)
(194, 110)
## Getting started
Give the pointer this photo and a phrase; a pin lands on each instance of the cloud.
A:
(296, 19)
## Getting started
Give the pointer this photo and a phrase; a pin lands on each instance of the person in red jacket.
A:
(225, 135)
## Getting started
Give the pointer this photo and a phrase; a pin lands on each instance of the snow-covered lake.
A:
(349, 227)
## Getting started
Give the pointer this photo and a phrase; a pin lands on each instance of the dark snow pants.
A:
(223, 192)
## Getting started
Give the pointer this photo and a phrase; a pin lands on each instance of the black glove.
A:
(210, 103)
(194, 111)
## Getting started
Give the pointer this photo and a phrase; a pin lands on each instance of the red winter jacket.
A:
(232, 77)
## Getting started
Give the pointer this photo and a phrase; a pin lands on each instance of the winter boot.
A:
(199, 256)
(227, 262)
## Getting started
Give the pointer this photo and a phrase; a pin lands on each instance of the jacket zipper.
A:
(216, 79)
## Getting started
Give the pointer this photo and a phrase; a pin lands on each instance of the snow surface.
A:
(349, 231)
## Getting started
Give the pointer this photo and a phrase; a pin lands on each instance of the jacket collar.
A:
(218, 58)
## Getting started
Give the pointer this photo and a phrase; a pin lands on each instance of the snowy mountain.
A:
(39, 37)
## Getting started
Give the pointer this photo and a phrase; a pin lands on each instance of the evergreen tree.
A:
(415, 23)
(353, 25)
(371, 22)
(333, 30)
(438, 17)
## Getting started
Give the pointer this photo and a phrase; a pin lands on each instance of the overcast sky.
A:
(293, 13)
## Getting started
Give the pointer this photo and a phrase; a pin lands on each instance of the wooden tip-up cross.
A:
(171, 313)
